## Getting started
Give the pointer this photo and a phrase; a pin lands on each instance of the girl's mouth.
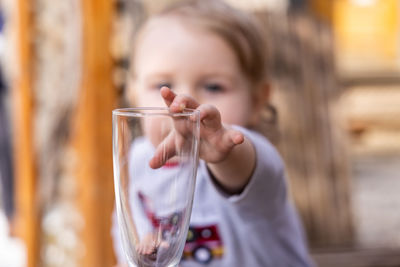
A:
(171, 163)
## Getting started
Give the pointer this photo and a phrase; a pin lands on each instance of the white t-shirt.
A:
(258, 227)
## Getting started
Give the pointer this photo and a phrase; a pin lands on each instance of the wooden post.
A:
(27, 210)
(322, 9)
(311, 141)
(93, 134)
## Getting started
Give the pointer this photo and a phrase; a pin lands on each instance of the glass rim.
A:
(152, 111)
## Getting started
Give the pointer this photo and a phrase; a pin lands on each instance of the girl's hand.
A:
(216, 140)
(229, 155)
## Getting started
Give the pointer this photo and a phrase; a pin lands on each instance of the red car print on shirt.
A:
(169, 225)
(203, 244)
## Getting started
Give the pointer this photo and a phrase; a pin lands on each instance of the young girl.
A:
(208, 56)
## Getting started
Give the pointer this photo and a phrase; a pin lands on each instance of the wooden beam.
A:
(93, 134)
(27, 210)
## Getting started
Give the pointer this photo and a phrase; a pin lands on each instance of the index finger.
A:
(177, 103)
(167, 95)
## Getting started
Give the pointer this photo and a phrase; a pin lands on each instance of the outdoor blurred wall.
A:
(335, 72)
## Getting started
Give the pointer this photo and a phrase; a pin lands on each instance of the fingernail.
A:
(181, 106)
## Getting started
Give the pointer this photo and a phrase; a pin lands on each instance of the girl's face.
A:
(193, 62)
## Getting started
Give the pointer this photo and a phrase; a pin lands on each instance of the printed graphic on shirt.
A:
(169, 225)
(203, 244)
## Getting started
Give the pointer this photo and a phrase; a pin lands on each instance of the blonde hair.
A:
(240, 31)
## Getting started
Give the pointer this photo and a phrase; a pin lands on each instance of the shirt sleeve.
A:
(266, 192)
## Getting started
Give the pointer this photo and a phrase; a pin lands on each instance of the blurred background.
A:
(335, 72)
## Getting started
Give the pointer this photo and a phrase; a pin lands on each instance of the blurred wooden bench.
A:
(357, 258)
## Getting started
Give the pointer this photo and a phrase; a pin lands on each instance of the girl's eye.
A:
(213, 87)
(160, 85)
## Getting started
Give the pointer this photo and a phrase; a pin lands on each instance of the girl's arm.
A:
(234, 172)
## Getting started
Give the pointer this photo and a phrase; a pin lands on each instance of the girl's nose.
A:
(185, 90)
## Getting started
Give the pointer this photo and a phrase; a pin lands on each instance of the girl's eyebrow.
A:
(218, 75)
(156, 76)
(207, 75)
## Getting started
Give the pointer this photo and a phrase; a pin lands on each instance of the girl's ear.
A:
(261, 98)
(265, 93)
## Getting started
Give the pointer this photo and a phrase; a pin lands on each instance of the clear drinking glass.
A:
(154, 204)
